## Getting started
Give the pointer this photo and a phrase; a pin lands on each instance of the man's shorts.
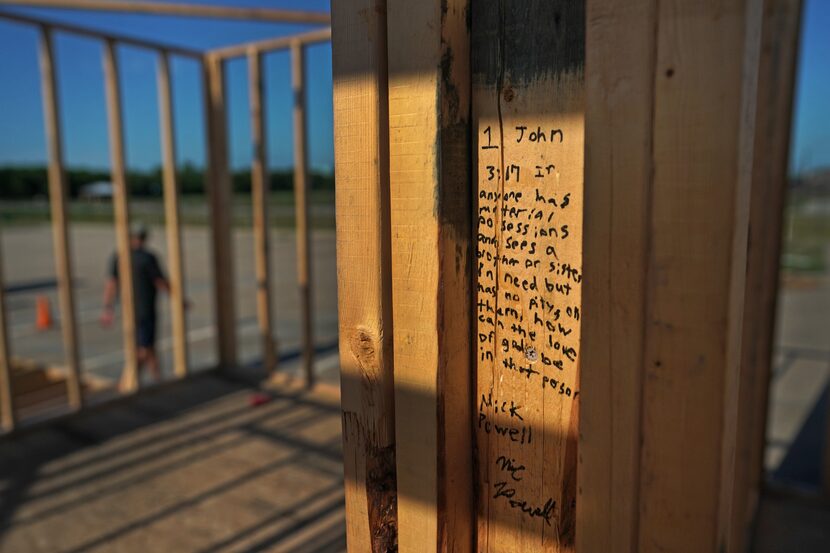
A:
(145, 332)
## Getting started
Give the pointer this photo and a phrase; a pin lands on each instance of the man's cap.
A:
(138, 230)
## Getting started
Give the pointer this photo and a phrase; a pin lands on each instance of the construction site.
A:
(559, 288)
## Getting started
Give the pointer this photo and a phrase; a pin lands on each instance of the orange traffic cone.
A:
(43, 313)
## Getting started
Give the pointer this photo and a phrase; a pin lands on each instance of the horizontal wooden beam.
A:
(181, 10)
(85, 31)
(271, 44)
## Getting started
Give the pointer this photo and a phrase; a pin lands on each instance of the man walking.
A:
(148, 278)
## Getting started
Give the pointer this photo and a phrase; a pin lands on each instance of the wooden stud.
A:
(171, 218)
(364, 287)
(180, 9)
(668, 176)
(259, 200)
(272, 44)
(301, 185)
(7, 412)
(776, 78)
(84, 31)
(219, 199)
(528, 119)
(618, 180)
(120, 200)
(60, 230)
(431, 210)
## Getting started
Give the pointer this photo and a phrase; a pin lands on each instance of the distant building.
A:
(101, 191)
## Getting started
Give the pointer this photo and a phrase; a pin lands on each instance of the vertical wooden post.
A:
(259, 193)
(528, 118)
(301, 186)
(431, 209)
(776, 81)
(60, 231)
(171, 217)
(120, 200)
(776, 78)
(219, 199)
(7, 413)
(617, 187)
(364, 287)
(668, 177)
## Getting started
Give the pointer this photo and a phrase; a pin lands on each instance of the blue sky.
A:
(81, 89)
(82, 95)
(811, 118)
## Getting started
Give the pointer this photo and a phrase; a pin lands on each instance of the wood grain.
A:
(259, 201)
(364, 274)
(776, 79)
(528, 116)
(121, 208)
(60, 226)
(8, 417)
(431, 203)
(301, 185)
(219, 197)
(702, 141)
(172, 220)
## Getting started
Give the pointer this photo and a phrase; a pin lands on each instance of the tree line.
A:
(28, 182)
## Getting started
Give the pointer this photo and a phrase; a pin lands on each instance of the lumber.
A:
(60, 226)
(219, 202)
(8, 417)
(431, 212)
(776, 79)
(364, 274)
(172, 219)
(179, 9)
(273, 44)
(93, 33)
(259, 200)
(776, 84)
(528, 120)
(121, 208)
(671, 102)
(303, 232)
(618, 180)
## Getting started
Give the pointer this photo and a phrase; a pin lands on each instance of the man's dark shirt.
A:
(146, 270)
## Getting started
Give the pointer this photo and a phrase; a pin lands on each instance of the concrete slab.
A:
(192, 467)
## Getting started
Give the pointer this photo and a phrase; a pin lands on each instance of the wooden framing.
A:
(179, 9)
(272, 44)
(664, 312)
(528, 120)
(361, 153)
(60, 230)
(259, 200)
(431, 209)
(617, 188)
(7, 411)
(217, 177)
(219, 199)
(776, 78)
(301, 186)
(120, 200)
(171, 218)
(111, 37)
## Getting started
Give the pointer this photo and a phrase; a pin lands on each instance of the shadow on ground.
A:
(194, 466)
